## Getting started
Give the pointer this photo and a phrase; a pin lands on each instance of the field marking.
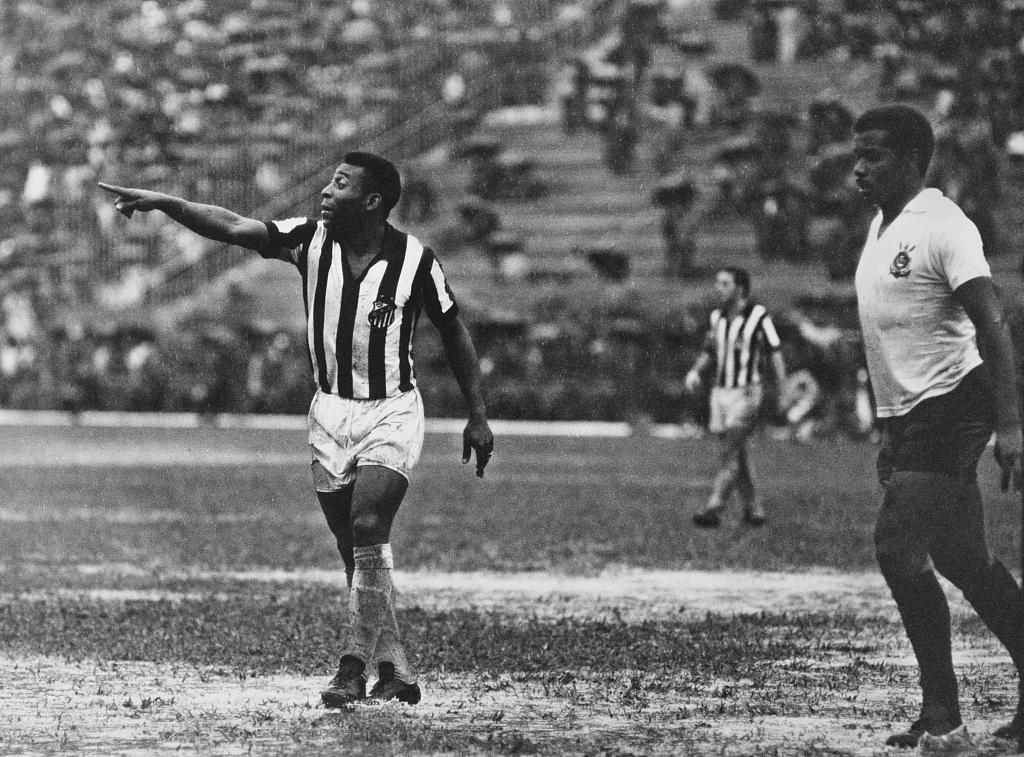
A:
(136, 516)
(152, 457)
(97, 419)
(156, 456)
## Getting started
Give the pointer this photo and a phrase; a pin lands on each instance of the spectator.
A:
(683, 208)
(965, 167)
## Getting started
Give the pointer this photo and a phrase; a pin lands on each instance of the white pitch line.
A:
(100, 457)
(95, 419)
(132, 516)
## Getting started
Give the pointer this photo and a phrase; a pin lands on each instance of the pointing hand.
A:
(129, 200)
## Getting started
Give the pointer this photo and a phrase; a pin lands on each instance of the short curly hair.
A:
(382, 177)
(907, 130)
(740, 277)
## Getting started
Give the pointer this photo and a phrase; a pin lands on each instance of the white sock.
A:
(375, 636)
(369, 599)
(389, 644)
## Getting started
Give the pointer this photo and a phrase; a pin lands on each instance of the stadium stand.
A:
(540, 179)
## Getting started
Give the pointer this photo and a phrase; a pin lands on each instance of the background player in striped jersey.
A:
(364, 286)
(740, 335)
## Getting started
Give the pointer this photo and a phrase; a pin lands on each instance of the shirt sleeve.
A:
(438, 300)
(709, 345)
(771, 336)
(959, 253)
(287, 239)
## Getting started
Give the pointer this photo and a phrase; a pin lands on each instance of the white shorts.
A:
(734, 408)
(346, 433)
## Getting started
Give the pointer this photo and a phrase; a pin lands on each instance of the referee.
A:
(741, 334)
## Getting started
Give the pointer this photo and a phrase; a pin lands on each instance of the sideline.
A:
(98, 419)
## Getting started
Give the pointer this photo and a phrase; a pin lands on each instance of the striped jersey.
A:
(359, 330)
(738, 343)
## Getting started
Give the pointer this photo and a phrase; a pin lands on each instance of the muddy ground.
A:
(51, 705)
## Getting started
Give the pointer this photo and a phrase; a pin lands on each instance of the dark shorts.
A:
(945, 434)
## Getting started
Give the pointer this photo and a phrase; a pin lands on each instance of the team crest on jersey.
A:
(383, 313)
(900, 266)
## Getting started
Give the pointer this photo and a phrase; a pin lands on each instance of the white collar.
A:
(925, 200)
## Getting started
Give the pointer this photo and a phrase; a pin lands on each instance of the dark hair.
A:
(381, 177)
(907, 130)
(740, 277)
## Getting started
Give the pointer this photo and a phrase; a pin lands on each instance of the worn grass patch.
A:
(295, 632)
(139, 613)
(236, 670)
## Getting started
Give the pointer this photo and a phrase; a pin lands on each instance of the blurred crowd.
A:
(238, 102)
(608, 362)
(234, 102)
(786, 166)
(201, 367)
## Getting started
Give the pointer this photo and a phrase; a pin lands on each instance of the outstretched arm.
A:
(462, 358)
(210, 221)
(979, 299)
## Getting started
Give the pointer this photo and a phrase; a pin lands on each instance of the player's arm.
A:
(210, 221)
(779, 369)
(979, 299)
(692, 381)
(465, 365)
(772, 342)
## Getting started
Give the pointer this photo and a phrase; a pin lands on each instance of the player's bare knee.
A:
(729, 459)
(975, 578)
(367, 528)
(899, 562)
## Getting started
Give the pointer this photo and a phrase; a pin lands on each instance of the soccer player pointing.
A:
(364, 286)
(942, 367)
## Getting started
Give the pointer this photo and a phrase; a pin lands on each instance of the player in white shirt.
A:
(364, 286)
(942, 368)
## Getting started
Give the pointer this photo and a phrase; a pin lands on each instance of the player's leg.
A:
(961, 555)
(753, 510)
(728, 445)
(333, 472)
(904, 531)
(376, 498)
(960, 552)
(373, 500)
(337, 509)
(386, 446)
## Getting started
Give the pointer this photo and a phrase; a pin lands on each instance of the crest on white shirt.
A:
(900, 266)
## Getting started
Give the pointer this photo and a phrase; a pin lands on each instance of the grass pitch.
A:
(169, 590)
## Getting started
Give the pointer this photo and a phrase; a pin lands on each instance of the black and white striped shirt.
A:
(738, 343)
(360, 330)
